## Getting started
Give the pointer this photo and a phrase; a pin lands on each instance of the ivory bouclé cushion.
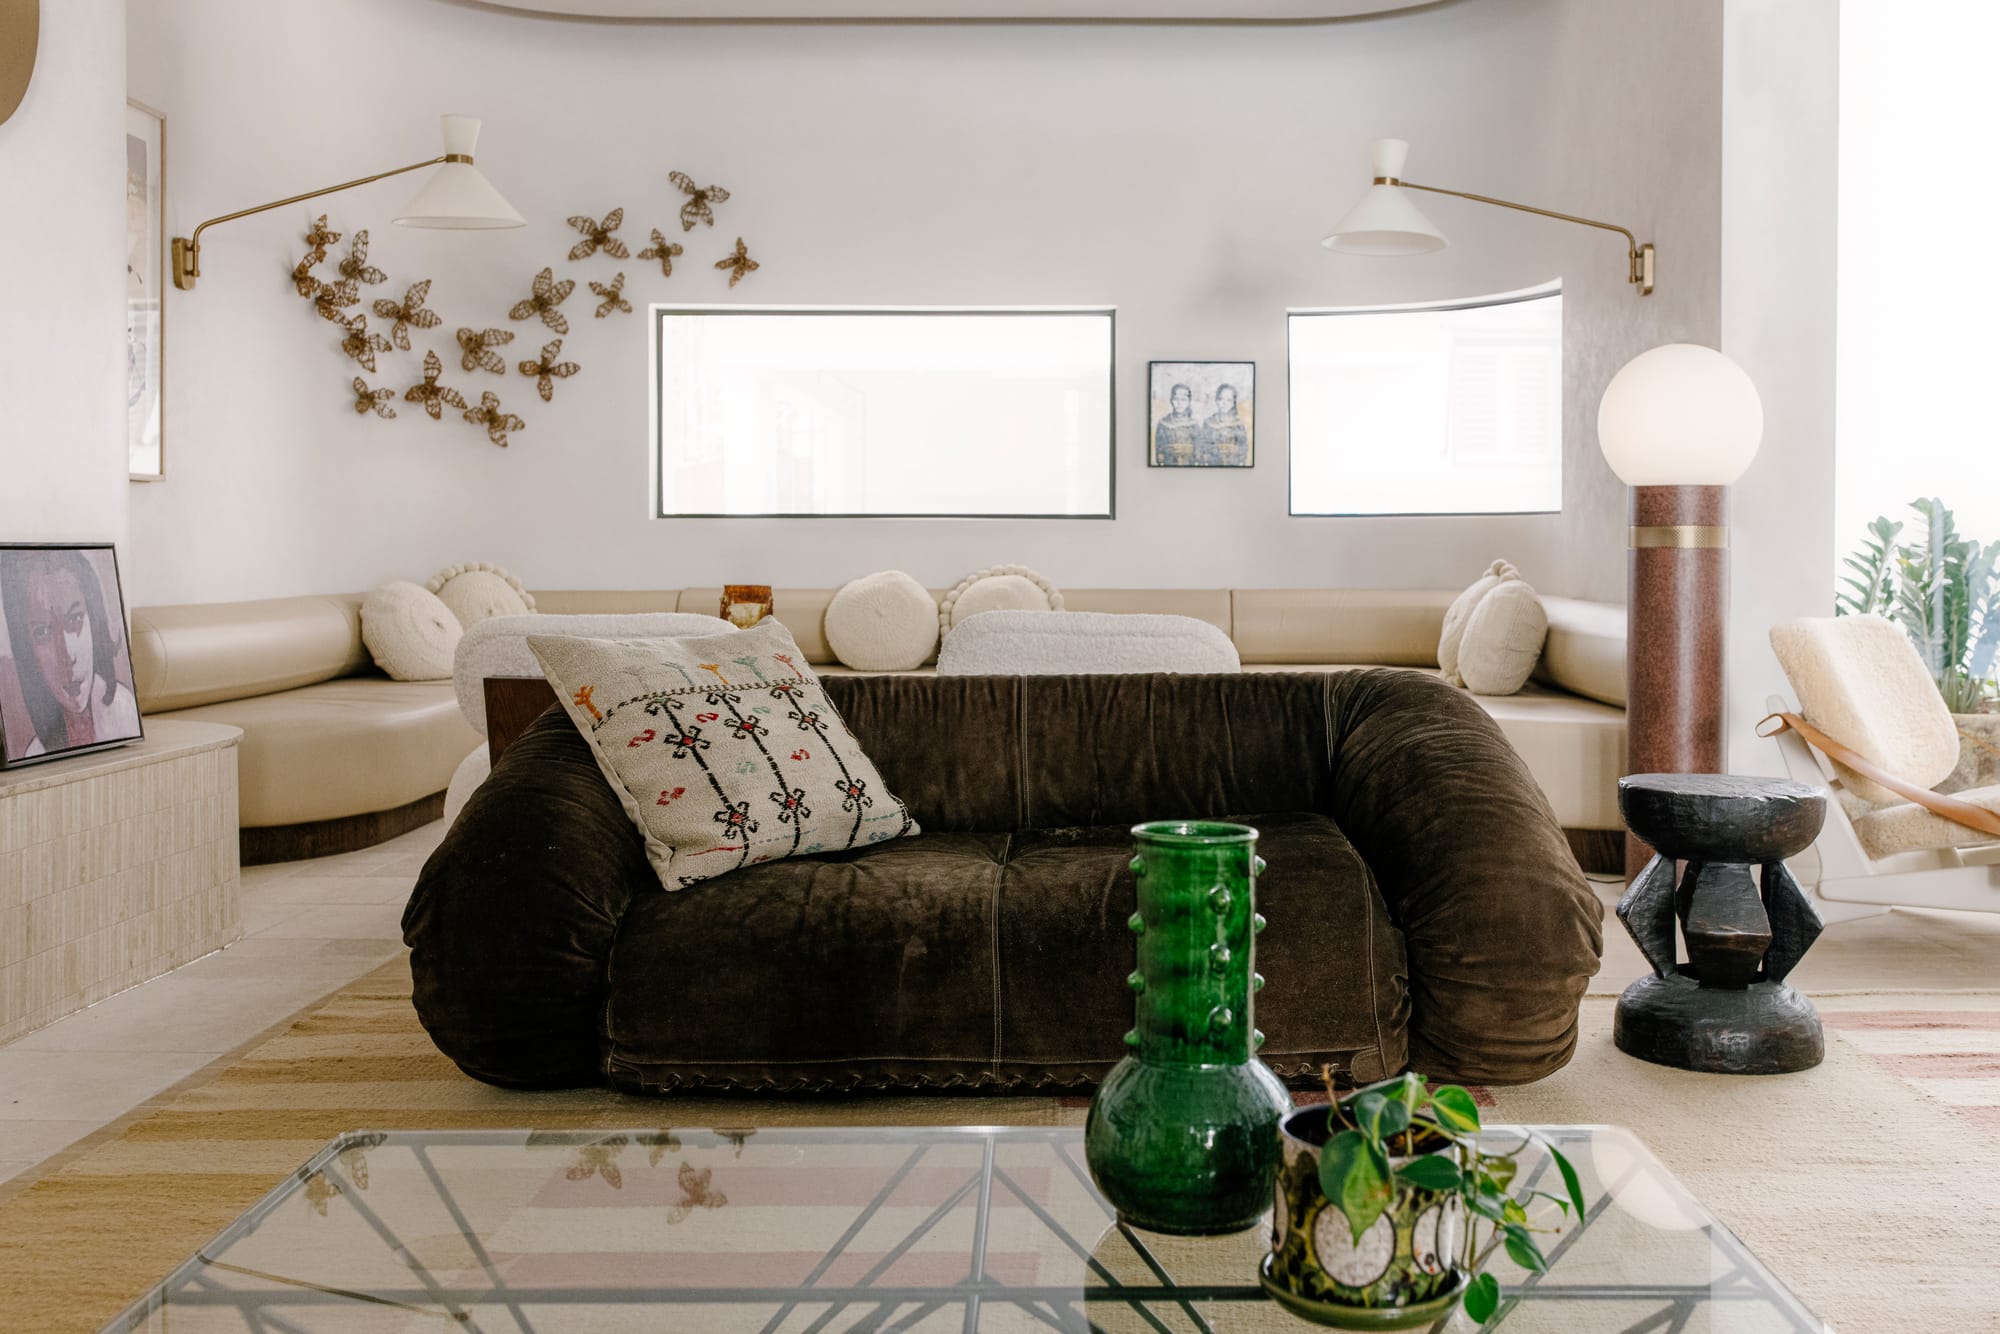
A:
(1460, 611)
(723, 749)
(883, 622)
(1503, 639)
(409, 632)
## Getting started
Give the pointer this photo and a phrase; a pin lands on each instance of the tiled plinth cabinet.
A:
(114, 868)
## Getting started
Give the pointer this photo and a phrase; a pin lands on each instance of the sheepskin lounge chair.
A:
(1871, 724)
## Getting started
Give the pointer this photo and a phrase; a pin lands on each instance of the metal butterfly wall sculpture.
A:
(377, 401)
(356, 268)
(319, 238)
(700, 197)
(478, 345)
(430, 393)
(546, 296)
(330, 299)
(598, 236)
(612, 300)
(738, 264)
(548, 370)
(663, 250)
(362, 343)
(496, 421)
(409, 313)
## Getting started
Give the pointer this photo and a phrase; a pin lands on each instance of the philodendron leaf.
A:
(1482, 1298)
(1354, 1173)
(1522, 1250)
(1499, 1172)
(1430, 1172)
(1395, 1118)
(1368, 1110)
(1570, 1182)
(1455, 1109)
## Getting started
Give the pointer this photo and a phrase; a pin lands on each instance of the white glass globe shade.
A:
(1680, 415)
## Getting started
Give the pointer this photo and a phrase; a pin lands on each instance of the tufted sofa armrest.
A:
(512, 920)
(1502, 932)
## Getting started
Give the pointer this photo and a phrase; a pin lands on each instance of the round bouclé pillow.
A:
(410, 632)
(998, 588)
(479, 592)
(885, 622)
(1503, 639)
(1460, 612)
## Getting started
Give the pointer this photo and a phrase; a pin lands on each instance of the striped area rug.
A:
(1854, 1182)
(1951, 1056)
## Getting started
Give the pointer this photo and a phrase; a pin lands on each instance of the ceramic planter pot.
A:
(1406, 1272)
(1182, 1135)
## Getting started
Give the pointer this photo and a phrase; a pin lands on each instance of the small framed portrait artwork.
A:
(66, 659)
(1203, 414)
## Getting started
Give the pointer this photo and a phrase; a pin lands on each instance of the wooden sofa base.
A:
(324, 838)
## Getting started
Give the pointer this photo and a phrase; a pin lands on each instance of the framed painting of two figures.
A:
(1201, 414)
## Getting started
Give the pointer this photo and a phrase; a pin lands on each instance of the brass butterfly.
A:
(738, 263)
(319, 238)
(696, 1193)
(548, 370)
(662, 250)
(409, 313)
(699, 198)
(377, 401)
(548, 294)
(478, 345)
(496, 422)
(302, 274)
(356, 267)
(597, 236)
(612, 299)
(361, 343)
(430, 393)
(329, 299)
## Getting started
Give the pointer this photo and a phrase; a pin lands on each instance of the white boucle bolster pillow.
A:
(410, 633)
(1503, 639)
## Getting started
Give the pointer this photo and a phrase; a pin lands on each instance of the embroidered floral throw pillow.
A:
(724, 749)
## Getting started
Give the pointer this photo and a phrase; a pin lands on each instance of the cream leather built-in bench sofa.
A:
(336, 755)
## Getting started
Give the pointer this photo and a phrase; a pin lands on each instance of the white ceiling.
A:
(1073, 10)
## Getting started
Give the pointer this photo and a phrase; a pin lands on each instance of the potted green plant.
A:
(1380, 1195)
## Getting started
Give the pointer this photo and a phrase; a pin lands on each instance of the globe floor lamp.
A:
(1678, 425)
(456, 197)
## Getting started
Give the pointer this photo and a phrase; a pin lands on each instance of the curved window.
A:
(1444, 409)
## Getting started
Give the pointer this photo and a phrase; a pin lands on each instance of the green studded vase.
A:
(1183, 1133)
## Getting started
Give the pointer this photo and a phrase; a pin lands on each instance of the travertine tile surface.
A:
(114, 868)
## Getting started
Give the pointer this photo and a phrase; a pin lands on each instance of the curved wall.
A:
(1181, 173)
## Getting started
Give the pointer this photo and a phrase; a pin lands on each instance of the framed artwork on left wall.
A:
(65, 657)
(145, 280)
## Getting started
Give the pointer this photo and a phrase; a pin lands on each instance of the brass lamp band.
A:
(1688, 536)
(459, 157)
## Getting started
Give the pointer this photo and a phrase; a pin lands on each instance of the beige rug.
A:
(1874, 1199)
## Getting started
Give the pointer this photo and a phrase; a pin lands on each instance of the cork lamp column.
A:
(1678, 425)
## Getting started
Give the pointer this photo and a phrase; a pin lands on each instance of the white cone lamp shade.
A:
(457, 196)
(1384, 221)
(1680, 415)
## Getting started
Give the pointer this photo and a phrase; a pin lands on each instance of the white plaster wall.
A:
(1182, 174)
(62, 246)
(1780, 165)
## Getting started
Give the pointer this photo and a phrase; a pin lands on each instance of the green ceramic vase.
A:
(1182, 1136)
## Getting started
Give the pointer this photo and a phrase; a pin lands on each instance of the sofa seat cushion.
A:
(976, 960)
(345, 747)
(1336, 991)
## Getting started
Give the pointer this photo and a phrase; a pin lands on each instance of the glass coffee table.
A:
(877, 1229)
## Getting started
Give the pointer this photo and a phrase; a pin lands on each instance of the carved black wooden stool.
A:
(1726, 1010)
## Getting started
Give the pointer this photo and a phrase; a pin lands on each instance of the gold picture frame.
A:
(145, 291)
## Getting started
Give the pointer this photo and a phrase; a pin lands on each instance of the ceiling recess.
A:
(1090, 11)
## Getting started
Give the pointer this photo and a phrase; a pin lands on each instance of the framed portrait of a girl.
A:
(66, 657)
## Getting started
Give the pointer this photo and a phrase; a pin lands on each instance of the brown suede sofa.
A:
(1425, 910)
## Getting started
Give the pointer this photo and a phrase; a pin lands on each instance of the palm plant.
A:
(1943, 589)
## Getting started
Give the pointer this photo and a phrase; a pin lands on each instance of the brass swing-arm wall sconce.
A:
(1385, 222)
(456, 197)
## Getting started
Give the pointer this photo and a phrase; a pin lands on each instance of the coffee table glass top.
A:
(876, 1229)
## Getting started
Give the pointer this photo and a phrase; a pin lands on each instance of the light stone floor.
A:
(309, 928)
